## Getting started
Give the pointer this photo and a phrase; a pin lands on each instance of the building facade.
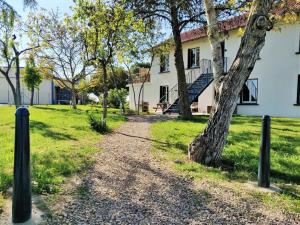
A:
(273, 87)
(43, 95)
(48, 92)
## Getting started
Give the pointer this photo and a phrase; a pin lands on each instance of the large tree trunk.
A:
(105, 94)
(215, 43)
(12, 87)
(185, 109)
(32, 96)
(207, 148)
(17, 97)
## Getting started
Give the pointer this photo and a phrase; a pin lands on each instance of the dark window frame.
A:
(298, 52)
(164, 63)
(249, 102)
(190, 52)
(298, 91)
(165, 89)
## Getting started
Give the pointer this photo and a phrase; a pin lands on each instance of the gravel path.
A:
(128, 186)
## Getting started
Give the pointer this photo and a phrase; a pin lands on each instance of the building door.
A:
(164, 94)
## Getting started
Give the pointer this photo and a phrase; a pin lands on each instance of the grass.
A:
(62, 143)
(171, 139)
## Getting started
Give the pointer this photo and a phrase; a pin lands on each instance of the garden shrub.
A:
(117, 97)
(96, 122)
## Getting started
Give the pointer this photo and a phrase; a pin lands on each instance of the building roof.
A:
(227, 25)
(230, 24)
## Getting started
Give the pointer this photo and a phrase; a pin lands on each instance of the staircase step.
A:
(194, 90)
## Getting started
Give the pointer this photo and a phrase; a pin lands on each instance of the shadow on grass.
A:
(58, 109)
(49, 169)
(45, 130)
(284, 148)
(242, 148)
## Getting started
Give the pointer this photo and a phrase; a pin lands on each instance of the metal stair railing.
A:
(172, 95)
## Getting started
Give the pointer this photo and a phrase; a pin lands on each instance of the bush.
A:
(96, 122)
(116, 97)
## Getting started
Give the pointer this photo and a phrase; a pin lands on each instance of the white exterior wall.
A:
(42, 95)
(205, 99)
(277, 73)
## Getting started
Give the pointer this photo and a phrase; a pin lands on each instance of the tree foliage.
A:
(117, 97)
(62, 54)
(10, 39)
(108, 30)
(118, 80)
(31, 76)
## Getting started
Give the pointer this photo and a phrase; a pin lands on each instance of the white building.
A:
(43, 95)
(273, 87)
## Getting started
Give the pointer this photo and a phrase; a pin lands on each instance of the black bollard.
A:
(264, 158)
(21, 208)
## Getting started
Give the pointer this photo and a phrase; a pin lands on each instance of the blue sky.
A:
(62, 5)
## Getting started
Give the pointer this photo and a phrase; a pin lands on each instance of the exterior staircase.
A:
(197, 80)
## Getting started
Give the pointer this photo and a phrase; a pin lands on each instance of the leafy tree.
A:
(107, 29)
(9, 52)
(116, 78)
(136, 66)
(207, 148)
(27, 3)
(62, 54)
(117, 98)
(31, 77)
(178, 14)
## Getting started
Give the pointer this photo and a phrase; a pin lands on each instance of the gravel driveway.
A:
(128, 186)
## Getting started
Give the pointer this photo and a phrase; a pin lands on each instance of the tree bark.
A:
(214, 38)
(105, 94)
(12, 87)
(185, 110)
(74, 105)
(207, 148)
(17, 97)
(32, 96)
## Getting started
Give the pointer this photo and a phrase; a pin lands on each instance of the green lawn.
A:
(61, 144)
(171, 139)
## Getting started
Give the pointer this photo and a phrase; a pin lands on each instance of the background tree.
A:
(115, 79)
(207, 148)
(61, 55)
(31, 77)
(178, 14)
(117, 98)
(9, 53)
(107, 28)
(26, 3)
(140, 54)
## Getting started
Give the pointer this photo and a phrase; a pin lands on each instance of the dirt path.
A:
(128, 186)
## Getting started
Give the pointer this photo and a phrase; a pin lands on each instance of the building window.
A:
(249, 92)
(298, 52)
(164, 94)
(298, 91)
(164, 63)
(193, 57)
